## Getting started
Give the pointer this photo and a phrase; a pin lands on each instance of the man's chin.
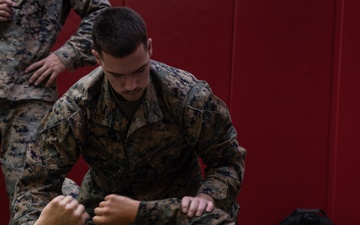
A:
(132, 98)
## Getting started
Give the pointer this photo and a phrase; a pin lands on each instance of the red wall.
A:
(344, 202)
(288, 71)
(281, 98)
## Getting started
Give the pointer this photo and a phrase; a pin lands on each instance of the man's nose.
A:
(130, 83)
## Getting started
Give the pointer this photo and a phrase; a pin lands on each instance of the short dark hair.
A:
(118, 31)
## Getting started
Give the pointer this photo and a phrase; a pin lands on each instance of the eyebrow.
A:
(120, 74)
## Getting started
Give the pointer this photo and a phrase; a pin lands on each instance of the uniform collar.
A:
(110, 115)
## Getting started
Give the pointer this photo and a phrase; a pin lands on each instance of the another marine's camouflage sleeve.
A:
(76, 52)
(209, 126)
(49, 160)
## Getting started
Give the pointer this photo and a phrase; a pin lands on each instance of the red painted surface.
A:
(289, 73)
(346, 122)
(281, 99)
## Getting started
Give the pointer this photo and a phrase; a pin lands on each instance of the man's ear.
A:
(149, 47)
(97, 57)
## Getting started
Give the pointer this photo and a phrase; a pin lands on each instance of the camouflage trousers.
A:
(18, 122)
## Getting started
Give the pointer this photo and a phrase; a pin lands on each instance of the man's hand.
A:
(116, 210)
(6, 9)
(63, 211)
(47, 68)
(196, 205)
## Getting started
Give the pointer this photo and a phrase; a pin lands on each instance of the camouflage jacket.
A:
(153, 157)
(29, 36)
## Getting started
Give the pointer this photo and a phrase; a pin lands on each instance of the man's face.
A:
(129, 75)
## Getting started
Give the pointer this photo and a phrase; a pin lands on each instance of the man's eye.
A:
(140, 70)
(117, 75)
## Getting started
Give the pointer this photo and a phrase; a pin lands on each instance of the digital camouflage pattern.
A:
(168, 211)
(29, 36)
(26, 38)
(17, 133)
(153, 158)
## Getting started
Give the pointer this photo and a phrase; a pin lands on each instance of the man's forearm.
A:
(168, 211)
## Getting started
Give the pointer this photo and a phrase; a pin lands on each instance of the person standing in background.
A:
(28, 68)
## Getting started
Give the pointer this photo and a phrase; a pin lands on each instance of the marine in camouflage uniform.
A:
(141, 126)
(153, 158)
(27, 38)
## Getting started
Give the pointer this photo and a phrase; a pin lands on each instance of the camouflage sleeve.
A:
(49, 160)
(76, 52)
(210, 129)
(168, 211)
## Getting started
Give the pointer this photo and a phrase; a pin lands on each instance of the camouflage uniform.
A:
(28, 37)
(153, 159)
